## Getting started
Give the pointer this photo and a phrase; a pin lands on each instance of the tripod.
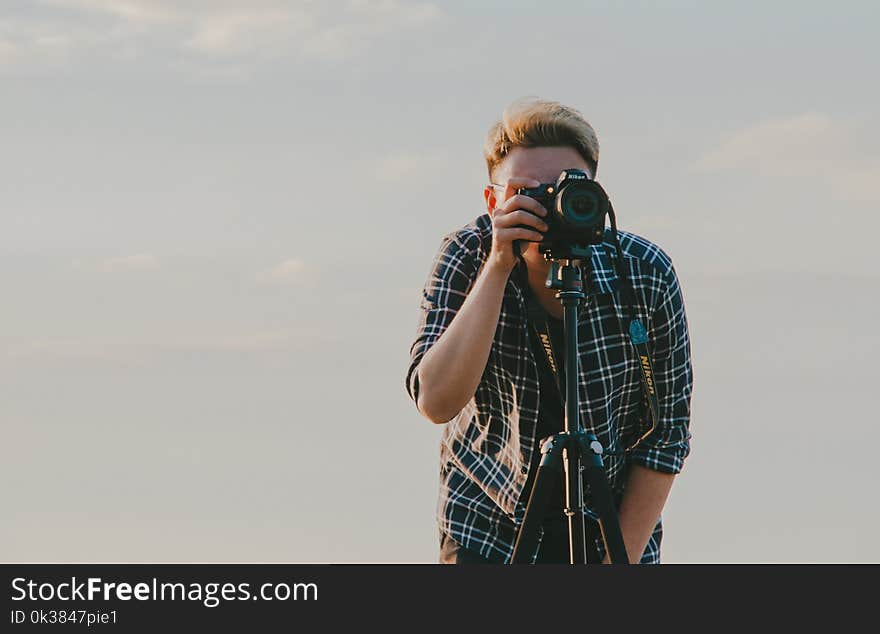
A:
(571, 451)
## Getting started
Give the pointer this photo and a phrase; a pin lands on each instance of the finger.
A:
(519, 233)
(520, 217)
(497, 213)
(521, 201)
(515, 182)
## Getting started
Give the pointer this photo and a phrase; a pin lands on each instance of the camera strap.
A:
(541, 329)
(638, 337)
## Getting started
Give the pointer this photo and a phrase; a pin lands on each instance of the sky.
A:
(217, 218)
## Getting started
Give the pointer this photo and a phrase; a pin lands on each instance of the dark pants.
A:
(554, 547)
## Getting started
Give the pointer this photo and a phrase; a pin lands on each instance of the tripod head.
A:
(564, 275)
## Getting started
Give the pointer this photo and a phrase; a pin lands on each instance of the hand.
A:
(517, 218)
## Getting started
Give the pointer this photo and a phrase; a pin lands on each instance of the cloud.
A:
(809, 146)
(8, 52)
(140, 348)
(25, 40)
(859, 183)
(144, 11)
(365, 21)
(211, 30)
(404, 165)
(257, 341)
(237, 32)
(291, 271)
(138, 262)
(780, 146)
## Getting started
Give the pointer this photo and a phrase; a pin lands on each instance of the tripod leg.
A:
(603, 500)
(574, 505)
(549, 470)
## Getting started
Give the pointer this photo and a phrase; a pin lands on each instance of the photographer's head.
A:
(533, 143)
(530, 123)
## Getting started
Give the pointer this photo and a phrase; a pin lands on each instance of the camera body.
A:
(576, 210)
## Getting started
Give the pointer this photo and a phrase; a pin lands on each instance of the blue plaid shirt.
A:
(488, 448)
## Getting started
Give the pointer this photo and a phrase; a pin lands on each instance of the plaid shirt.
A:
(487, 450)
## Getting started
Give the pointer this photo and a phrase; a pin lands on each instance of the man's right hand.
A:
(515, 212)
(450, 370)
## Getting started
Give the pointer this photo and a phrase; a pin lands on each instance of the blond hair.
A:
(534, 122)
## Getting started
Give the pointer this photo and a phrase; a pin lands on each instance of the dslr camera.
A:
(576, 210)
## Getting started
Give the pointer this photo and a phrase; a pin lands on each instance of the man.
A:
(475, 369)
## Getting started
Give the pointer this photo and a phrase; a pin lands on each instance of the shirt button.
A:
(523, 470)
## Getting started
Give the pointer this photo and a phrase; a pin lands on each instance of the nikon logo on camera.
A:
(545, 341)
(646, 364)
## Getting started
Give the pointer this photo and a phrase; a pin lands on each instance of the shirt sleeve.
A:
(669, 343)
(452, 275)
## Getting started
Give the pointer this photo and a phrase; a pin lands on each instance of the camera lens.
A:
(581, 208)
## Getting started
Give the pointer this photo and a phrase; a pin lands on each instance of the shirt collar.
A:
(602, 276)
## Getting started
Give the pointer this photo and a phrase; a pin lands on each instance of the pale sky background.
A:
(217, 218)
